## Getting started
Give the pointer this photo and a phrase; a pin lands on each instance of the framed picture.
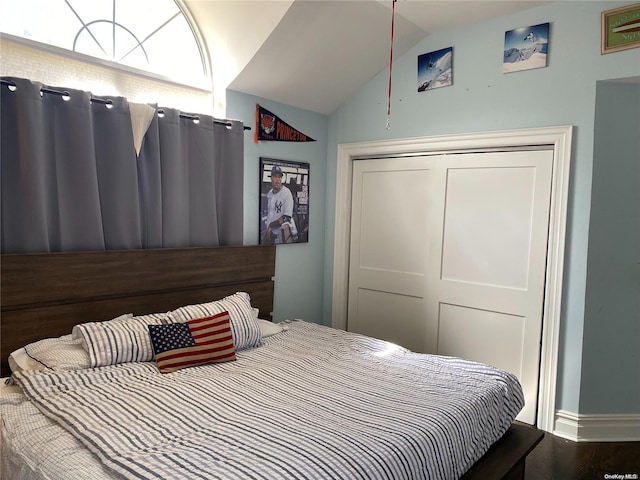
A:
(525, 48)
(435, 69)
(620, 29)
(284, 201)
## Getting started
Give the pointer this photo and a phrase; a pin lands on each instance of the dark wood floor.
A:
(559, 459)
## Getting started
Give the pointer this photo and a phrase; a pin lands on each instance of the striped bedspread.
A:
(311, 403)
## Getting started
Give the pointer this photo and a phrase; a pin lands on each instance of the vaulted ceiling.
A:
(314, 54)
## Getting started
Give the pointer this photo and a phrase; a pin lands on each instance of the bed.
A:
(298, 400)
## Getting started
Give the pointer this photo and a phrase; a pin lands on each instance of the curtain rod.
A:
(108, 101)
(193, 116)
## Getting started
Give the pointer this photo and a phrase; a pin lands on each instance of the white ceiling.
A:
(314, 54)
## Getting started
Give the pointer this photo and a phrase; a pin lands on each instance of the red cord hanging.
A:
(393, 14)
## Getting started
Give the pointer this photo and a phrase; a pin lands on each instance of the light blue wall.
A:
(611, 358)
(481, 99)
(299, 267)
(484, 99)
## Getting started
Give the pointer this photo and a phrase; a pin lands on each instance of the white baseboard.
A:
(597, 428)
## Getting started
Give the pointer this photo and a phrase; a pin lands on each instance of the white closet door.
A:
(391, 209)
(464, 273)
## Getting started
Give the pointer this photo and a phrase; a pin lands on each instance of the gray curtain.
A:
(189, 199)
(71, 179)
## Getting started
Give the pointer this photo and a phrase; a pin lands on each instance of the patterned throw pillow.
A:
(196, 342)
(244, 324)
(121, 340)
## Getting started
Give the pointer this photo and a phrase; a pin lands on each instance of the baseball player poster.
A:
(284, 201)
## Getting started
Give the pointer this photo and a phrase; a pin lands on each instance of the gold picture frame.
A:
(620, 29)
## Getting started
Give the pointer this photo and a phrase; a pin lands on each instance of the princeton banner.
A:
(271, 127)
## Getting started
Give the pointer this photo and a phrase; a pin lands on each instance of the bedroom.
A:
(597, 385)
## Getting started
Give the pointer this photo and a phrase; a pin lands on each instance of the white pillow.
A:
(121, 340)
(268, 328)
(19, 360)
(244, 325)
(62, 353)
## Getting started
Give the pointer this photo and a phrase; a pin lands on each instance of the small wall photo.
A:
(435, 69)
(525, 48)
(621, 28)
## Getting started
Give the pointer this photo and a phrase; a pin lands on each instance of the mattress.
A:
(310, 402)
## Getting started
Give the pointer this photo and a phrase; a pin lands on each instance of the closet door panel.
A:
(389, 251)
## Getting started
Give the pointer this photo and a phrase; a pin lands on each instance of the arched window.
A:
(150, 35)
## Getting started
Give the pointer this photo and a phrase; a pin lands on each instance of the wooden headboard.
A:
(45, 294)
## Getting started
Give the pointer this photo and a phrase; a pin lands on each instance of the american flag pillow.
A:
(195, 342)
